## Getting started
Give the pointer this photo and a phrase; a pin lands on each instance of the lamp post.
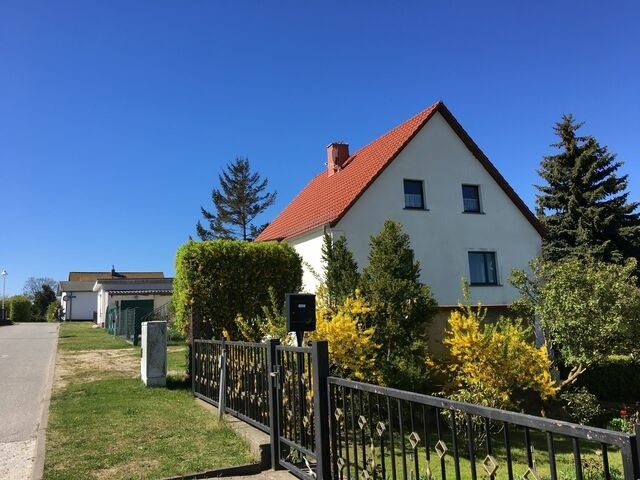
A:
(4, 284)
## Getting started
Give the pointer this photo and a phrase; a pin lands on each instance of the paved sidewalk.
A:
(27, 361)
(267, 475)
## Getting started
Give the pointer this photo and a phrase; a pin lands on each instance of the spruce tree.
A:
(403, 308)
(584, 204)
(239, 200)
(341, 270)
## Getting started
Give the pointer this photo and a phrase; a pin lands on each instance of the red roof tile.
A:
(326, 199)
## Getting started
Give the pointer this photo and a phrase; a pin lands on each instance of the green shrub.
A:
(53, 312)
(617, 380)
(581, 405)
(20, 308)
(220, 279)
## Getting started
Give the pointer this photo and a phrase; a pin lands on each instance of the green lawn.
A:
(105, 424)
(83, 336)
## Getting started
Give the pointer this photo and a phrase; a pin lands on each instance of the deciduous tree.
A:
(588, 309)
(34, 285)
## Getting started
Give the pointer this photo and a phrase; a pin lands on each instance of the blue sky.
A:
(117, 116)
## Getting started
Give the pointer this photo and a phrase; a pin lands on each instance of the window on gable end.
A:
(471, 198)
(414, 194)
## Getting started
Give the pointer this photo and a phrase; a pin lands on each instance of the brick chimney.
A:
(337, 154)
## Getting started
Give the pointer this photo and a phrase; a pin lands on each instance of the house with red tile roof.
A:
(463, 218)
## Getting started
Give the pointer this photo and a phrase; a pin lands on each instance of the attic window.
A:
(471, 198)
(413, 194)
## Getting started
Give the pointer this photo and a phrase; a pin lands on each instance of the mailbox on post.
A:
(301, 313)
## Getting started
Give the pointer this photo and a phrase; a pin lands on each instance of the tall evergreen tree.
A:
(239, 200)
(341, 270)
(403, 308)
(584, 203)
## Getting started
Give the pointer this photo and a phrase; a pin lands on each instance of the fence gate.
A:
(300, 437)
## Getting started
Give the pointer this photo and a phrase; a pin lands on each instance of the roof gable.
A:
(327, 198)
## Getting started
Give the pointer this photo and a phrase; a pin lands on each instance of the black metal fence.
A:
(333, 428)
(385, 433)
(246, 378)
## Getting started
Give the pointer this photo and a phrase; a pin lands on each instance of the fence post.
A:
(636, 452)
(192, 354)
(222, 394)
(320, 368)
(274, 380)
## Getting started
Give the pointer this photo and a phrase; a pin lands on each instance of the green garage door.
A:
(143, 308)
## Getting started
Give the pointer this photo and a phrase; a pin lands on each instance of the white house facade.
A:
(78, 301)
(146, 295)
(463, 219)
(79, 298)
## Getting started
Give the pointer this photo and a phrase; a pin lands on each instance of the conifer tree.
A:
(584, 204)
(239, 200)
(341, 270)
(402, 308)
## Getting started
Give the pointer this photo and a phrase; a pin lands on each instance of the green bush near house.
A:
(616, 380)
(220, 279)
(19, 308)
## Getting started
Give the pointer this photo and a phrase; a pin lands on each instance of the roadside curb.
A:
(239, 470)
(41, 438)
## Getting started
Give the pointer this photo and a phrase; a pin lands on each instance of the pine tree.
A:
(341, 270)
(237, 204)
(584, 204)
(402, 308)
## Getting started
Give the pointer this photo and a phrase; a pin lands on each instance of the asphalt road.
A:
(27, 360)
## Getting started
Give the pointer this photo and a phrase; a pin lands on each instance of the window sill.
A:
(485, 285)
(416, 208)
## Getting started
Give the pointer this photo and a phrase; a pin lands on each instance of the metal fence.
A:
(124, 323)
(385, 433)
(246, 378)
(333, 428)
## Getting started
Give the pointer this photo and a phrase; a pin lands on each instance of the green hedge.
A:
(616, 381)
(220, 279)
(20, 308)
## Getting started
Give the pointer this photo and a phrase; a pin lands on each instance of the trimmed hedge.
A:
(218, 280)
(618, 380)
(20, 308)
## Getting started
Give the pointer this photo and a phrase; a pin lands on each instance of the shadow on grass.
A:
(178, 382)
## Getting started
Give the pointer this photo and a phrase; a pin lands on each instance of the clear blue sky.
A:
(117, 116)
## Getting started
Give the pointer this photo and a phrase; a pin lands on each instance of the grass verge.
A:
(105, 424)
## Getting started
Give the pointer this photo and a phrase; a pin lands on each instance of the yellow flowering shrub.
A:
(352, 351)
(492, 364)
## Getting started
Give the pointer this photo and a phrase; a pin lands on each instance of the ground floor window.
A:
(482, 268)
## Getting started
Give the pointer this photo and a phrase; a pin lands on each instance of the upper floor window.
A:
(413, 194)
(471, 198)
(482, 268)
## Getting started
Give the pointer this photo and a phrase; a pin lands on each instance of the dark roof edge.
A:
(493, 171)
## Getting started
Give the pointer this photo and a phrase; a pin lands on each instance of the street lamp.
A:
(4, 284)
